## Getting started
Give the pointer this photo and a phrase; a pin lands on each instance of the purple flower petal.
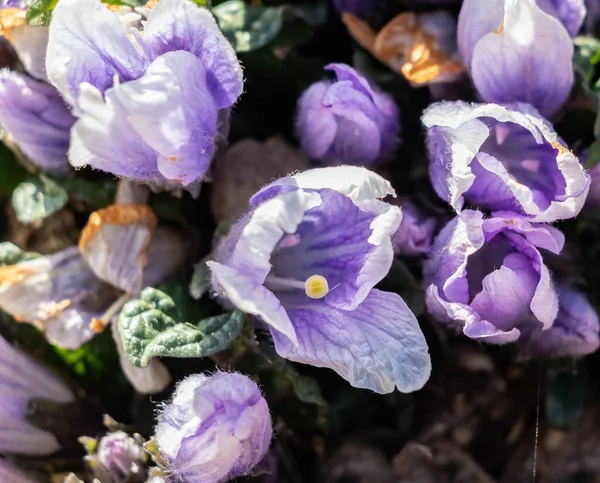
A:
(487, 276)
(510, 64)
(347, 121)
(379, 346)
(37, 119)
(503, 158)
(180, 25)
(216, 428)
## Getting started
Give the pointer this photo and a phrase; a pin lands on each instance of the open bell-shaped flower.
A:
(347, 121)
(150, 105)
(516, 52)
(22, 380)
(487, 277)
(503, 158)
(305, 260)
(216, 428)
(37, 120)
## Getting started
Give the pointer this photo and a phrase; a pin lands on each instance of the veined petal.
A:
(184, 133)
(104, 138)
(476, 19)
(37, 119)
(377, 346)
(510, 64)
(181, 25)
(115, 243)
(357, 183)
(88, 44)
(252, 298)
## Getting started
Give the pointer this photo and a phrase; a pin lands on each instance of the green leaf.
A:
(40, 12)
(565, 396)
(593, 157)
(150, 328)
(587, 55)
(399, 280)
(97, 194)
(11, 254)
(12, 171)
(249, 27)
(37, 198)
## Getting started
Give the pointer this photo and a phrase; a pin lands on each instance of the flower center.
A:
(315, 286)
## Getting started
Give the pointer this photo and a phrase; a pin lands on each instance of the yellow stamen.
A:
(316, 286)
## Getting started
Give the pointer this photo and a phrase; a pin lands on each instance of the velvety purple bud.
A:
(304, 261)
(11, 474)
(503, 158)
(216, 428)
(360, 8)
(58, 293)
(37, 119)
(574, 332)
(347, 121)
(486, 276)
(21, 380)
(152, 106)
(415, 235)
(121, 455)
(504, 45)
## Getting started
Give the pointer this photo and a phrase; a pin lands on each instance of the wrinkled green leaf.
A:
(565, 396)
(11, 254)
(399, 280)
(150, 328)
(40, 12)
(37, 198)
(250, 27)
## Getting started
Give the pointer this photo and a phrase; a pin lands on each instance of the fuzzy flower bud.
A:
(347, 121)
(121, 455)
(216, 428)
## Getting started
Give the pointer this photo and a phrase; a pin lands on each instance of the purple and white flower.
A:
(487, 277)
(503, 158)
(37, 120)
(151, 105)
(574, 332)
(305, 260)
(347, 121)
(571, 13)
(21, 380)
(216, 428)
(505, 46)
